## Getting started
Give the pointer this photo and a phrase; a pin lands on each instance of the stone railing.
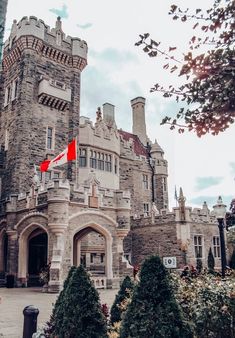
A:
(99, 282)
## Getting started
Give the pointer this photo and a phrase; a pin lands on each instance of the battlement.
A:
(33, 33)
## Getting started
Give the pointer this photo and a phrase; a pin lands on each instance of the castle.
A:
(106, 210)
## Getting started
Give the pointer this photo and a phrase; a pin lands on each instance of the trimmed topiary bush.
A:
(210, 262)
(58, 310)
(153, 311)
(82, 316)
(124, 293)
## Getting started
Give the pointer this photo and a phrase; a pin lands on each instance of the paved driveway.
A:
(13, 301)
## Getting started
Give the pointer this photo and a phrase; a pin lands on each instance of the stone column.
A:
(58, 208)
(12, 252)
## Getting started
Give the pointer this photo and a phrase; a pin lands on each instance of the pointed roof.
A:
(156, 148)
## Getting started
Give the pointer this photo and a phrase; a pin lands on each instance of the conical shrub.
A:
(125, 292)
(58, 310)
(153, 311)
(83, 317)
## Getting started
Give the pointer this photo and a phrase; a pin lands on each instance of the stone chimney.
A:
(108, 114)
(138, 116)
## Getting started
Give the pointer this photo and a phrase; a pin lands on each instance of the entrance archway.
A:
(37, 256)
(96, 242)
(33, 253)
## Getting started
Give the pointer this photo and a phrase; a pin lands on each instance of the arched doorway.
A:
(37, 256)
(92, 247)
(89, 250)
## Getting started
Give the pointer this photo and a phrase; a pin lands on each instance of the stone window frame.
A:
(93, 159)
(108, 163)
(92, 256)
(145, 181)
(100, 164)
(15, 89)
(198, 243)
(216, 246)
(164, 184)
(146, 209)
(7, 96)
(115, 165)
(52, 138)
(53, 175)
(82, 157)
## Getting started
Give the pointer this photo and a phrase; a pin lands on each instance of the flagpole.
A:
(76, 162)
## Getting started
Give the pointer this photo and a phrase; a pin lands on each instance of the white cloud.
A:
(130, 72)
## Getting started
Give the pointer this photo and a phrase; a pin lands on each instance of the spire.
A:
(58, 24)
(181, 201)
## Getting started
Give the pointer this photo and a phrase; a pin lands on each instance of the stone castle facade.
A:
(105, 211)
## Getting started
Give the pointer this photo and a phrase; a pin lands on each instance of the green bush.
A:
(124, 293)
(58, 310)
(153, 311)
(210, 261)
(83, 317)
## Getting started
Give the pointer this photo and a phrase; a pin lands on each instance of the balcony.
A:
(54, 94)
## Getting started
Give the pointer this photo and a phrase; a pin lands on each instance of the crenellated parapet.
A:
(33, 34)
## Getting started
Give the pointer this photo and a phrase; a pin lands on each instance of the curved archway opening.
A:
(33, 254)
(37, 256)
(89, 250)
(92, 247)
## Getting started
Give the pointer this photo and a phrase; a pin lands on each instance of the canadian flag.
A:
(68, 154)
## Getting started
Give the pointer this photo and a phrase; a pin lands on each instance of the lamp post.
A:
(220, 211)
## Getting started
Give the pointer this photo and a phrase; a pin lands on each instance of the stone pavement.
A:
(13, 302)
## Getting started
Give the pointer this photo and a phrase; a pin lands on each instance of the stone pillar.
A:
(12, 252)
(58, 207)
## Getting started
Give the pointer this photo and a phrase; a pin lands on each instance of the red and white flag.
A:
(68, 154)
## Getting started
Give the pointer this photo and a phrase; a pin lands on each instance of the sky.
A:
(118, 71)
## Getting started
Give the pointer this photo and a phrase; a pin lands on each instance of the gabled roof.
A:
(138, 147)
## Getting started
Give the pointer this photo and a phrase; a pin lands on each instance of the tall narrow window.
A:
(93, 159)
(115, 166)
(14, 90)
(49, 138)
(7, 96)
(164, 184)
(145, 182)
(216, 246)
(82, 157)
(100, 161)
(146, 209)
(198, 246)
(108, 163)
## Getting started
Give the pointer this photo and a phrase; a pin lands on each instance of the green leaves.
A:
(209, 76)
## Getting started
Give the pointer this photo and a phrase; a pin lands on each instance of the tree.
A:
(123, 294)
(210, 261)
(208, 94)
(83, 316)
(59, 309)
(153, 311)
(199, 265)
(232, 260)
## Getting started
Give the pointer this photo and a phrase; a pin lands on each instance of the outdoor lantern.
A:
(219, 209)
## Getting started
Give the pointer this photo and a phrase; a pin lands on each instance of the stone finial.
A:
(181, 201)
(98, 115)
(58, 24)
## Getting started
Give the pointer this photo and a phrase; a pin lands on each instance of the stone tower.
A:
(138, 115)
(3, 11)
(40, 101)
(160, 176)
